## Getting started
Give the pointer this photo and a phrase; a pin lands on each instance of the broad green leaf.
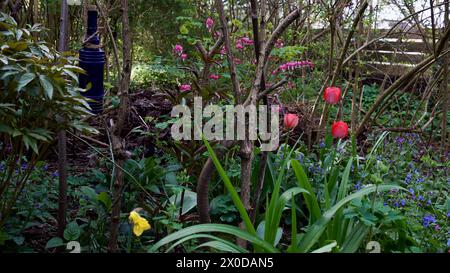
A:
(54, 242)
(326, 249)
(220, 228)
(25, 79)
(47, 86)
(72, 231)
(189, 201)
(201, 235)
(310, 199)
(261, 231)
(104, 198)
(220, 245)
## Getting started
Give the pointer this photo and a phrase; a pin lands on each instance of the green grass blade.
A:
(310, 199)
(237, 248)
(220, 228)
(234, 195)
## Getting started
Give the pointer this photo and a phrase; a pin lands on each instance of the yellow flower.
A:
(139, 224)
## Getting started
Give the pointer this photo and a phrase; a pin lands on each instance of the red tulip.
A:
(291, 121)
(332, 95)
(339, 129)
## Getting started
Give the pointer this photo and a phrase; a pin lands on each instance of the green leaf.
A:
(220, 228)
(46, 85)
(355, 238)
(25, 79)
(189, 201)
(338, 222)
(293, 246)
(30, 142)
(5, 129)
(311, 200)
(234, 195)
(72, 232)
(237, 248)
(104, 198)
(89, 192)
(326, 249)
(54, 242)
(219, 245)
(261, 231)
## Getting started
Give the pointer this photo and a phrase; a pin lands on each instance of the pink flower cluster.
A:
(185, 87)
(214, 77)
(292, 65)
(178, 51)
(244, 41)
(279, 43)
(209, 23)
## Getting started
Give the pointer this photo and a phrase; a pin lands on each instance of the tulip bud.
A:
(291, 121)
(332, 95)
(339, 129)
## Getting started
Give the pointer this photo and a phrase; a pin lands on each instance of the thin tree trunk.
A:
(35, 15)
(445, 90)
(62, 137)
(117, 141)
(259, 38)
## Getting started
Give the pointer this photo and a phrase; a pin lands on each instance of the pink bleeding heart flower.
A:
(183, 56)
(239, 46)
(279, 43)
(246, 41)
(178, 49)
(214, 77)
(185, 87)
(209, 23)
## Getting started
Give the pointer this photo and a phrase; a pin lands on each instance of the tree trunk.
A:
(62, 137)
(445, 90)
(117, 141)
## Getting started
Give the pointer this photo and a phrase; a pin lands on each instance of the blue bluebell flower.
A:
(403, 202)
(428, 219)
(399, 140)
(408, 178)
